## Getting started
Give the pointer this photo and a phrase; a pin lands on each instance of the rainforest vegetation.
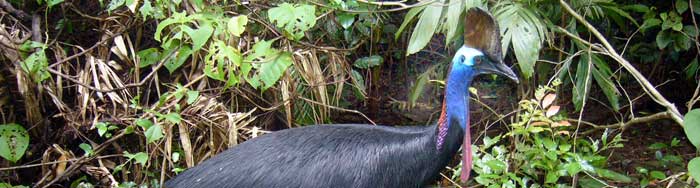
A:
(129, 93)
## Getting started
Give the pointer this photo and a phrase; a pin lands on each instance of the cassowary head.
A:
(481, 52)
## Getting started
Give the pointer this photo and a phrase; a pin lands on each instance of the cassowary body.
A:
(355, 155)
(329, 156)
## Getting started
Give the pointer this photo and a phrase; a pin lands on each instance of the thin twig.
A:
(625, 125)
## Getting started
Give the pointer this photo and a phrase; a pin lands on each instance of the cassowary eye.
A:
(477, 60)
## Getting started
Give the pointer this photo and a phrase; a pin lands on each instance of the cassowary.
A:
(354, 155)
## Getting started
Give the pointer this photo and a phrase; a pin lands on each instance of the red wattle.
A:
(466, 156)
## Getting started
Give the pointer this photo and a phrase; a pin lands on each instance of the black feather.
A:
(349, 155)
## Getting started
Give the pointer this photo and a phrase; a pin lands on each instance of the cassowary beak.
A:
(499, 68)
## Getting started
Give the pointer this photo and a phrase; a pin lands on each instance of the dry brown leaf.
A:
(539, 123)
(548, 100)
(562, 123)
(552, 111)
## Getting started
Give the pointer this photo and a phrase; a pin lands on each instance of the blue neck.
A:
(457, 94)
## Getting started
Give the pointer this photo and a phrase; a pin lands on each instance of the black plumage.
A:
(348, 155)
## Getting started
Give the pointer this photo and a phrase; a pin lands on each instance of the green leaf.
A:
(146, 10)
(681, 6)
(101, 128)
(603, 76)
(236, 25)
(176, 17)
(153, 133)
(358, 83)
(650, 23)
(573, 168)
(691, 126)
(192, 96)
(521, 27)
(51, 3)
(173, 117)
(144, 123)
(425, 28)
(407, 19)
(180, 58)
(295, 19)
(551, 177)
(609, 174)
(87, 148)
(583, 82)
(199, 36)
(657, 175)
(148, 57)
(114, 4)
(694, 169)
(36, 65)
(452, 18)
(270, 72)
(657, 146)
(368, 62)
(14, 141)
(139, 157)
(346, 19)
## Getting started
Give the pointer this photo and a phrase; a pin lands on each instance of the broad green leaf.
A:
(199, 36)
(153, 133)
(36, 65)
(294, 19)
(583, 82)
(345, 19)
(407, 19)
(262, 51)
(681, 6)
(368, 62)
(87, 148)
(521, 27)
(177, 17)
(657, 146)
(139, 157)
(609, 174)
(650, 23)
(173, 117)
(144, 123)
(691, 126)
(452, 18)
(192, 96)
(694, 169)
(236, 25)
(573, 168)
(148, 57)
(359, 83)
(221, 63)
(603, 76)
(101, 128)
(180, 57)
(270, 72)
(657, 175)
(14, 141)
(551, 177)
(51, 3)
(419, 86)
(146, 10)
(425, 28)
